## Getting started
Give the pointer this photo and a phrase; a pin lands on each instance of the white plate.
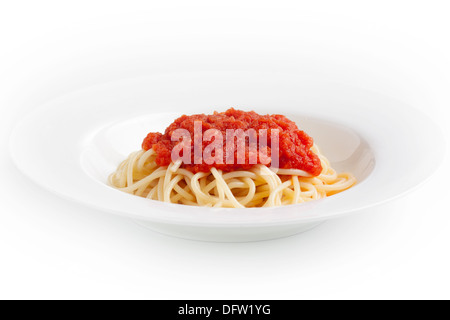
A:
(70, 146)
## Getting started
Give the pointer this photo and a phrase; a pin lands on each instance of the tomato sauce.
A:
(294, 144)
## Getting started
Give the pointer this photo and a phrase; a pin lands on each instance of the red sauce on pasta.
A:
(294, 144)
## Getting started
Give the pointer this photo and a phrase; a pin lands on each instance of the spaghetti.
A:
(260, 186)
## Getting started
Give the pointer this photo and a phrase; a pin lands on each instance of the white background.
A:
(50, 248)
